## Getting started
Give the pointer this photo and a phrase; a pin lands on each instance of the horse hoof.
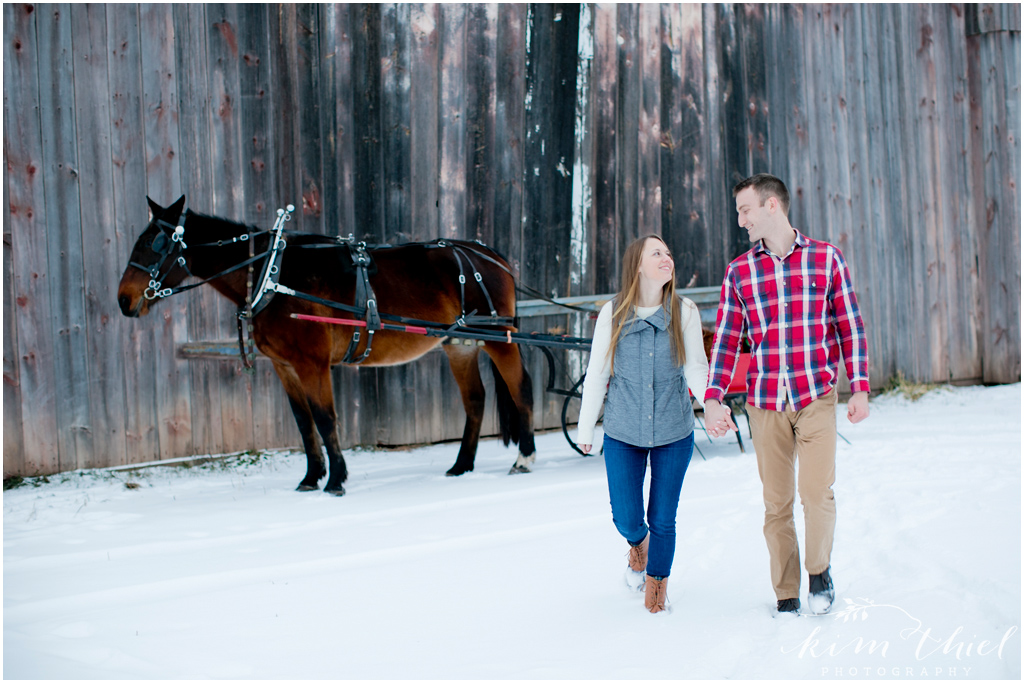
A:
(519, 469)
(457, 472)
(340, 491)
(307, 487)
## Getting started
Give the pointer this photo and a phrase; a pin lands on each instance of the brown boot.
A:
(637, 564)
(656, 595)
(638, 555)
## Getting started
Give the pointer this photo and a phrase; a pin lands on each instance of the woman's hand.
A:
(585, 447)
(718, 418)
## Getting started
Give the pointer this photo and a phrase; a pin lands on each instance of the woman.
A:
(648, 341)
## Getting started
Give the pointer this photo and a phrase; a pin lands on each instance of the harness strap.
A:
(248, 359)
(271, 269)
(160, 294)
(476, 276)
(366, 300)
(360, 313)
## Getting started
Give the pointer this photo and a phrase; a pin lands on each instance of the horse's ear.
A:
(175, 209)
(154, 209)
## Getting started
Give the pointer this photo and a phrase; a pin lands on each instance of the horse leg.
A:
(320, 394)
(515, 401)
(304, 420)
(463, 362)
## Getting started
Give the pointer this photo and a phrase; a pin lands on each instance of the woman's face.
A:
(656, 262)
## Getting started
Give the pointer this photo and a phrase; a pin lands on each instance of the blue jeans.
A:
(627, 466)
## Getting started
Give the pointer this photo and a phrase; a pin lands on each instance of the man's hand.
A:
(585, 447)
(718, 418)
(857, 409)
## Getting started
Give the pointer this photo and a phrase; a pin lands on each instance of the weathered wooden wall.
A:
(556, 133)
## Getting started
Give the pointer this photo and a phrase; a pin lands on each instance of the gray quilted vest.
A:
(648, 403)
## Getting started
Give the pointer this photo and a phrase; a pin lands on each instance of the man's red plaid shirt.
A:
(799, 312)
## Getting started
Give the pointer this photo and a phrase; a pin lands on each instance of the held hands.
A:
(718, 419)
(857, 408)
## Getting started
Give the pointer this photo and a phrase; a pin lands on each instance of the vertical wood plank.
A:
(453, 177)
(861, 89)
(368, 173)
(919, 210)
(880, 288)
(13, 433)
(424, 97)
(719, 199)
(628, 123)
(423, 214)
(271, 416)
(818, 84)
(310, 162)
(395, 108)
(481, 77)
(139, 345)
(454, 174)
(604, 87)
(235, 386)
(28, 242)
(995, 113)
(933, 257)
(548, 158)
(397, 410)
(649, 130)
(64, 262)
(683, 154)
(341, 22)
(836, 162)
(92, 113)
(798, 107)
(734, 126)
(900, 193)
(160, 107)
(285, 124)
(778, 54)
(196, 110)
(961, 226)
(751, 19)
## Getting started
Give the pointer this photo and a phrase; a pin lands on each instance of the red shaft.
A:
(358, 323)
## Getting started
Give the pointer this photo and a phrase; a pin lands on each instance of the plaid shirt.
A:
(799, 312)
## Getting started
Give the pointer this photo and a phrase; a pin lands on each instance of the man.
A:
(793, 298)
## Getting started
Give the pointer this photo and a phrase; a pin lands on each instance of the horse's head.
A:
(153, 264)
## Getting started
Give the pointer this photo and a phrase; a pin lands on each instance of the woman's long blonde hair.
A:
(629, 295)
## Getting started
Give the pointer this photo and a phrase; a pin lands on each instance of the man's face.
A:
(755, 218)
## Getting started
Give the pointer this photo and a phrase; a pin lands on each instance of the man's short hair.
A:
(766, 185)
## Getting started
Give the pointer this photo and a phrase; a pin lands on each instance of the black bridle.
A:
(170, 247)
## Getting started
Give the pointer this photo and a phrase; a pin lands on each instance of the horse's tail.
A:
(508, 414)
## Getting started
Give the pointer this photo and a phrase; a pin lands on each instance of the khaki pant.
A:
(780, 438)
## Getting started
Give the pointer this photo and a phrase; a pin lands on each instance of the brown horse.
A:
(417, 281)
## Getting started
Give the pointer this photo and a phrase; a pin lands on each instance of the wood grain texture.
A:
(895, 126)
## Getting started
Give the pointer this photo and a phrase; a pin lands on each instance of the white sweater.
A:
(595, 387)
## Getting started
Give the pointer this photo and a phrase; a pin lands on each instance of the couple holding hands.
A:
(793, 298)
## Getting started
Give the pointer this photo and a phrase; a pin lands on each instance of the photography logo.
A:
(922, 652)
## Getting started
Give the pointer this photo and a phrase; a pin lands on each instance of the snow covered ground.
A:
(214, 572)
